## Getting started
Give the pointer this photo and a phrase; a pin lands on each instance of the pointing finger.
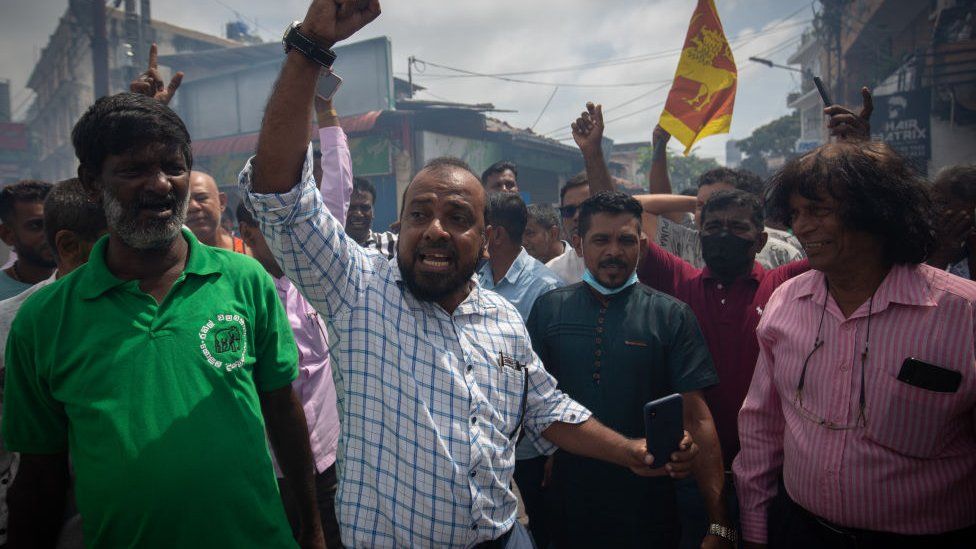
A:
(153, 54)
(868, 101)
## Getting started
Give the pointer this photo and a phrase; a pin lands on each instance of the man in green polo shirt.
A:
(613, 345)
(158, 365)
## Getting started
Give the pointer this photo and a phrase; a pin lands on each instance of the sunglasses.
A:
(568, 211)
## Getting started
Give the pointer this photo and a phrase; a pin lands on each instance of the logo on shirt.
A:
(223, 342)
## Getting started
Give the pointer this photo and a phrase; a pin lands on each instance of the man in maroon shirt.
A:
(727, 296)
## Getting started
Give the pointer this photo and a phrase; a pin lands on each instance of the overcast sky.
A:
(506, 36)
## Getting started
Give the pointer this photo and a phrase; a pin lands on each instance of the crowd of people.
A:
(302, 379)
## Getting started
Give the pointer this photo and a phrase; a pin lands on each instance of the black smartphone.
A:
(823, 91)
(664, 428)
(929, 376)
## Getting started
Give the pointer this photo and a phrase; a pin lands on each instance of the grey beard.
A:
(154, 236)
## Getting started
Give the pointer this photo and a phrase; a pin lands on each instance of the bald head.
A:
(207, 204)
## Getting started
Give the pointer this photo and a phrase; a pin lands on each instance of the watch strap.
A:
(295, 39)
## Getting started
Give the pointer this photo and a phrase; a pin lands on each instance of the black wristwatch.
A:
(310, 48)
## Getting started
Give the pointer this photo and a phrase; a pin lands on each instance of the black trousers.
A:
(791, 526)
(326, 484)
(528, 477)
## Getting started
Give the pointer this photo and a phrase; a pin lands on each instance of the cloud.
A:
(512, 36)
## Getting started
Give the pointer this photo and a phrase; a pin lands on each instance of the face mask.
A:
(726, 254)
(591, 280)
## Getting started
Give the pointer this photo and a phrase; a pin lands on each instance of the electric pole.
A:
(132, 38)
(99, 48)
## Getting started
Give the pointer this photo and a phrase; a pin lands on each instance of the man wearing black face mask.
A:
(727, 296)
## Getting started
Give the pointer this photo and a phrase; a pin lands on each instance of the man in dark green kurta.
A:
(614, 344)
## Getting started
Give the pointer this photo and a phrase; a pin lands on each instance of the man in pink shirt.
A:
(314, 386)
(864, 396)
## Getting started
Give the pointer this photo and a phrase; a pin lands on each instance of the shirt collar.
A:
(904, 284)
(99, 279)
(514, 271)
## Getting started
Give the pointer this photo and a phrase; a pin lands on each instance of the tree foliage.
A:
(684, 170)
(775, 139)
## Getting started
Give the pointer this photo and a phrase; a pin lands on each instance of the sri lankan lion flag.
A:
(703, 92)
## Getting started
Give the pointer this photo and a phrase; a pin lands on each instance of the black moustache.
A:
(169, 201)
(613, 263)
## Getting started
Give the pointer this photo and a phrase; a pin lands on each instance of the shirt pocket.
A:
(911, 420)
(506, 399)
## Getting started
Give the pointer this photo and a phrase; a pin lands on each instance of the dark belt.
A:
(839, 537)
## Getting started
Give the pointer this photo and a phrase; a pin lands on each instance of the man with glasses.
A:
(864, 397)
(569, 265)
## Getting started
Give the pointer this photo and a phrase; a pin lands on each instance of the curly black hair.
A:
(612, 202)
(877, 190)
(125, 122)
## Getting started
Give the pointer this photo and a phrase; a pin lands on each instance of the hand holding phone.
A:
(664, 427)
(822, 88)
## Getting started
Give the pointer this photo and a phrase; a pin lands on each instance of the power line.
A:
(535, 82)
(562, 128)
(631, 59)
(546, 106)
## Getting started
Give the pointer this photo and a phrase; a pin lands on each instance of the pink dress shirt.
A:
(314, 385)
(912, 468)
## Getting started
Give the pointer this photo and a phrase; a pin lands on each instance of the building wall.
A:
(63, 82)
(952, 145)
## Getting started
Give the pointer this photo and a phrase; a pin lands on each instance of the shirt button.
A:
(844, 367)
(596, 376)
(572, 417)
(720, 287)
(473, 473)
(596, 364)
(599, 330)
(600, 320)
(599, 340)
(474, 420)
(470, 367)
(474, 526)
(723, 301)
(598, 352)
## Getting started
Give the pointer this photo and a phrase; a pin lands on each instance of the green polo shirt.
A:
(613, 356)
(157, 403)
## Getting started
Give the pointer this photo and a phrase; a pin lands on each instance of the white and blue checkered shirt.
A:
(426, 451)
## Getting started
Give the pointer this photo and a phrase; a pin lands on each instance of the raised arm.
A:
(284, 135)
(309, 242)
(658, 179)
(336, 183)
(588, 134)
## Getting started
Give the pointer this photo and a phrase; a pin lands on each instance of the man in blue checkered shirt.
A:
(435, 377)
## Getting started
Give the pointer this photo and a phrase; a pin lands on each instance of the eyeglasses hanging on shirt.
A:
(861, 420)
